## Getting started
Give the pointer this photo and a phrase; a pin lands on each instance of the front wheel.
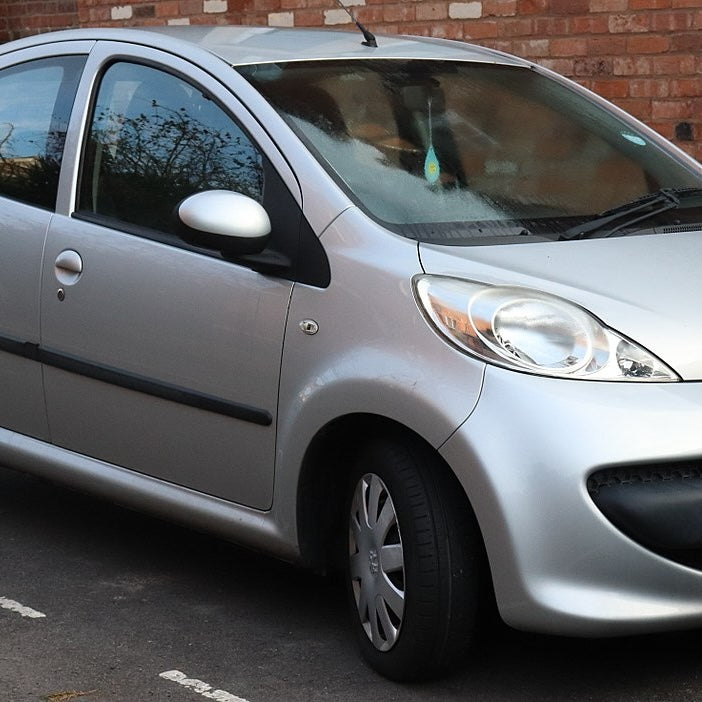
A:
(415, 561)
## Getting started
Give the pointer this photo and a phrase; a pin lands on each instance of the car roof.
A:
(241, 45)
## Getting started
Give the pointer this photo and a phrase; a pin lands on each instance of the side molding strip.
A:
(165, 391)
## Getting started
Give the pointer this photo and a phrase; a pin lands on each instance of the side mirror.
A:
(227, 221)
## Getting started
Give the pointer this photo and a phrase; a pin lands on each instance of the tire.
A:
(415, 559)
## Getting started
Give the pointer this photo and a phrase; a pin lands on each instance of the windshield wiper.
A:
(630, 213)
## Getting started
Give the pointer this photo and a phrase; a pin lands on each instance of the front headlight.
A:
(532, 331)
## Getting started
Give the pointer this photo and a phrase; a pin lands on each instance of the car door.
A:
(36, 96)
(161, 357)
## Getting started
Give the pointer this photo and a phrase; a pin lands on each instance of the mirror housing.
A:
(229, 222)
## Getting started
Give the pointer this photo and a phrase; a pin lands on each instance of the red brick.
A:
(671, 109)
(667, 129)
(429, 11)
(614, 88)
(606, 46)
(372, 15)
(309, 18)
(144, 11)
(569, 47)
(515, 27)
(188, 8)
(672, 21)
(647, 44)
(266, 5)
(480, 29)
(649, 88)
(666, 65)
(563, 66)
(447, 30)
(686, 42)
(608, 5)
(690, 64)
(398, 13)
(570, 7)
(552, 26)
(532, 7)
(499, 8)
(686, 87)
(591, 24)
(167, 8)
(641, 109)
(648, 4)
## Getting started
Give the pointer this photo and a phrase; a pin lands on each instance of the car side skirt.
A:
(242, 525)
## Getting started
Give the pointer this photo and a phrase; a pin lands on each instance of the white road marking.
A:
(20, 609)
(200, 687)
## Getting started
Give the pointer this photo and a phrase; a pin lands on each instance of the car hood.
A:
(646, 287)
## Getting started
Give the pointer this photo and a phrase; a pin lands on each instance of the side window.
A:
(155, 139)
(35, 106)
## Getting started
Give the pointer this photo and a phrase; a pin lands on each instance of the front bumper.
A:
(558, 563)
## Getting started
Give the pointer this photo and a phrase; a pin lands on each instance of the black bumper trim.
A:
(659, 506)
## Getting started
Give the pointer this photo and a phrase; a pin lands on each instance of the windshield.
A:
(458, 152)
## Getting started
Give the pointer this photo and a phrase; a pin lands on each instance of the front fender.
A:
(373, 354)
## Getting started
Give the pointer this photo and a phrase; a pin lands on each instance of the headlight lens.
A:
(533, 331)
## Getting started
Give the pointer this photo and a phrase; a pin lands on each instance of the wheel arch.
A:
(322, 481)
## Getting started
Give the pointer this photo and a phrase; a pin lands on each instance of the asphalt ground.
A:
(139, 610)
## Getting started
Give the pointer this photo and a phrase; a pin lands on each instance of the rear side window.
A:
(36, 99)
(154, 140)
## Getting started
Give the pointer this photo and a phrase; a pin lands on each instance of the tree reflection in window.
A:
(35, 106)
(155, 140)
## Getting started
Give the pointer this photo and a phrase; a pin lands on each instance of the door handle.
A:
(68, 267)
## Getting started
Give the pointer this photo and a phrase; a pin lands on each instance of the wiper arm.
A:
(648, 206)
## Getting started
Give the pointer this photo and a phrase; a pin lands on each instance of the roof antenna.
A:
(368, 36)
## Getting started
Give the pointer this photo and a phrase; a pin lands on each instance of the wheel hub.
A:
(376, 562)
(373, 563)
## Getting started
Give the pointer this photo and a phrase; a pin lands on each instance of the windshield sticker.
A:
(634, 139)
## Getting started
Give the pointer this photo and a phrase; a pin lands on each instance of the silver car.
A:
(423, 311)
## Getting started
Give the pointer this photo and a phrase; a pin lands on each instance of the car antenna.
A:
(367, 35)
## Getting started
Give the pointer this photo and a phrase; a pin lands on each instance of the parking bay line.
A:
(13, 606)
(200, 687)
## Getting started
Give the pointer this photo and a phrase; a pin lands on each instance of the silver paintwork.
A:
(68, 267)
(225, 341)
(22, 231)
(248, 45)
(522, 446)
(558, 565)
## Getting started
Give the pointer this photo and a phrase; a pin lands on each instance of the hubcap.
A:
(376, 562)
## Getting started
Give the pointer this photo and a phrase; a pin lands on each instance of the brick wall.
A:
(644, 55)
(19, 18)
(4, 32)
